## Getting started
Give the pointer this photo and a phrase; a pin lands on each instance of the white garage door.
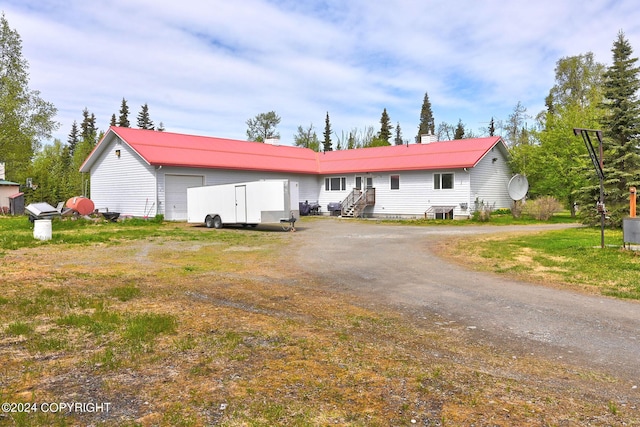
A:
(175, 195)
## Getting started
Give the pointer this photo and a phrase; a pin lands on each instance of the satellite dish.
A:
(518, 187)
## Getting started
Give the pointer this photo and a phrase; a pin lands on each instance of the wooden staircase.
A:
(354, 204)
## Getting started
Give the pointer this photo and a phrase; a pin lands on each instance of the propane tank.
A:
(81, 204)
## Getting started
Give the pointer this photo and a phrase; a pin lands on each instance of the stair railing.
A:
(357, 201)
(350, 200)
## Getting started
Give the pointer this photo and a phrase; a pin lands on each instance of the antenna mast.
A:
(596, 158)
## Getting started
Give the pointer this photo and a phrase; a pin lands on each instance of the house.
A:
(143, 173)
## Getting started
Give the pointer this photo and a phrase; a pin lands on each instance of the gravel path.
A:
(397, 265)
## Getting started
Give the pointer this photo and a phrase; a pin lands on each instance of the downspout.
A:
(469, 193)
(156, 191)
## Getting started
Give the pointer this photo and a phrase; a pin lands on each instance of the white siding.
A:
(326, 197)
(126, 184)
(176, 194)
(122, 184)
(410, 199)
(490, 179)
(414, 197)
(308, 184)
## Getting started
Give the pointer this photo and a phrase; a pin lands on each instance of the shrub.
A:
(482, 211)
(502, 211)
(543, 207)
(517, 208)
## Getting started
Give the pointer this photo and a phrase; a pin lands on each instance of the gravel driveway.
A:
(398, 265)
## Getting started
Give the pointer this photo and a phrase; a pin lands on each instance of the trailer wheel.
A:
(213, 221)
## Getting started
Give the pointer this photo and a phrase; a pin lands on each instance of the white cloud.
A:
(208, 66)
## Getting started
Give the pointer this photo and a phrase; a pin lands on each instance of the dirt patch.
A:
(294, 332)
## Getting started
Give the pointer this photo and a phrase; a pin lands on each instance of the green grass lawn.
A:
(571, 257)
(17, 232)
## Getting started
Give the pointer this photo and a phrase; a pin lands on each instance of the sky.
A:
(205, 67)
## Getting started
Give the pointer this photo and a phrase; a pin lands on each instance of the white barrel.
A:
(42, 229)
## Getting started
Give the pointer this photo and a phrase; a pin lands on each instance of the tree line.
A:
(26, 119)
(586, 94)
(263, 127)
(54, 171)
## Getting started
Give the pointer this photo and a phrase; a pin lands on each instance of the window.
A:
(447, 181)
(395, 182)
(444, 213)
(335, 184)
(442, 181)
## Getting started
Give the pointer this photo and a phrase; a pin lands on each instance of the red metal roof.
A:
(464, 153)
(172, 149)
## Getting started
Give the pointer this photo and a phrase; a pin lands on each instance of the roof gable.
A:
(172, 149)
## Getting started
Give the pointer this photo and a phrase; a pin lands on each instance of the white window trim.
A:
(328, 180)
(391, 182)
(439, 176)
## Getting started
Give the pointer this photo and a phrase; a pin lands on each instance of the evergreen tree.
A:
(89, 132)
(123, 119)
(144, 122)
(459, 133)
(25, 118)
(621, 128)
(327, 134)
(113, 120)
(88, 139)
(74, 138)
(398, 139)
(427, 123)
(160, 127)
(385, 129)
(492, 127)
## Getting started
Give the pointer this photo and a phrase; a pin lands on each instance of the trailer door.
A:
(241, 204)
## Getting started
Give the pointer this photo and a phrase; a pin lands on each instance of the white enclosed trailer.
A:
(247, 203)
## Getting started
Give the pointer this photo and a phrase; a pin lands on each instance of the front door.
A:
(369, 182)
(358, 183)
(241, 204)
